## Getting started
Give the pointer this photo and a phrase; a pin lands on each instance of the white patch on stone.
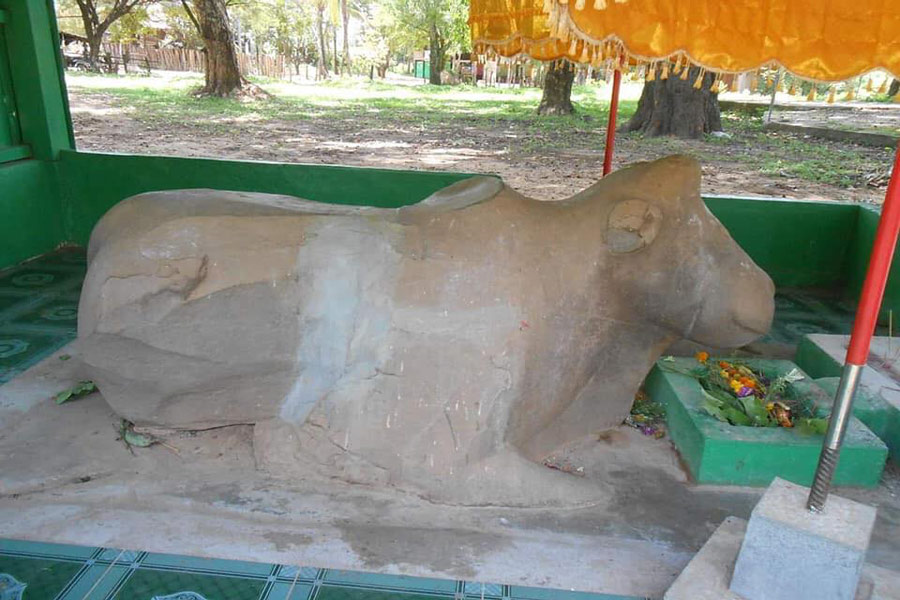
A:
(345, 276)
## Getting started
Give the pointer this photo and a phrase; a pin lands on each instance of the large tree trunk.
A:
(672, 106)
(557, 97)
(895, 88)
(436, 56)
(223, 76)
(321, 65)
(345, 17)
(334, 54)
(94, 41)
(93, 31)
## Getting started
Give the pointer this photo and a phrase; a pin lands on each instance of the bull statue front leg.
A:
(443, 348)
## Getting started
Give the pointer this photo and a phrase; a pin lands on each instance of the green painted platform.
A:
(719, 453)
(65, 572)
(38, 309)
(877, 402)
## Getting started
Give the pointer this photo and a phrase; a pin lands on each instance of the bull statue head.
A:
(665, 239)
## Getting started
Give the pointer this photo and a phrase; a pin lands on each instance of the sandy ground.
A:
(508, 150)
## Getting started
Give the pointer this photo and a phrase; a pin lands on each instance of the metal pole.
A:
(611, 124)
(860, 339)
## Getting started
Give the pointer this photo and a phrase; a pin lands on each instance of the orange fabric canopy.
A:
(824, 40)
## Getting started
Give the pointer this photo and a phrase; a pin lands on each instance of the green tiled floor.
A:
(61, 572)
(799, 312)
(38, 308)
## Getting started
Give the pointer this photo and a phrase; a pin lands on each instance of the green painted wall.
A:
(92, 183)
(863, 238)
(30, 205)
(797, 243)
(30, 218)
(40, 93)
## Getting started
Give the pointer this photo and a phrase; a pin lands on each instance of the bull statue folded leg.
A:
(444, 347)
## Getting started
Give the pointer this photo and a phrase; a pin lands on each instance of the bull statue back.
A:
(444, 348)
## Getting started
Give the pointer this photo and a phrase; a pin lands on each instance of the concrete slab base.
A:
(708, 574)
(789, 553)
(64, 477)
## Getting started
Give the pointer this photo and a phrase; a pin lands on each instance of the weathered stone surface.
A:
(816, 556)
(441, 347)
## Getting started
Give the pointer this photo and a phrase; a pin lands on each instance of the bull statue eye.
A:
(632, 226)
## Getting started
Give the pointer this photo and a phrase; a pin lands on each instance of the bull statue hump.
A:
(443, 348)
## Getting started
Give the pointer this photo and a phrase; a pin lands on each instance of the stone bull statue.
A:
(444, 347)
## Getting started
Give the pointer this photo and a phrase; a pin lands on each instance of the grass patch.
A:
(364, 104)
(499, 118)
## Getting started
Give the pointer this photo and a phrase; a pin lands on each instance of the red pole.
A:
(860, 339)
(877, 275)
(611, 125)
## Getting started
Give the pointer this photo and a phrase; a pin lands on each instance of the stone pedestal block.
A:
(789, 553)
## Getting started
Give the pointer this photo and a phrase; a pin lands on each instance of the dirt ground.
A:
(543, 168)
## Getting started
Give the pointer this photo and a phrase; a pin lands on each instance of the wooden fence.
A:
(180, 59)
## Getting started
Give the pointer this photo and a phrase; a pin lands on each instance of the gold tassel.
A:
(869, 85)
(579, 4)
(573, 48)
(599, 4)
(882, 89)
(831, 95)
(651, 72)
(780, 85)
(684, 72)
(584, 54)
(851, 95)
(698, 83)
(769, 81)
(665, 71)
(677, 68)
(811, 97)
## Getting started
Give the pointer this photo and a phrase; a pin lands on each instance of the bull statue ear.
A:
(632, 226)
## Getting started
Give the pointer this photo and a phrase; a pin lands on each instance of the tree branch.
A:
(190, 14)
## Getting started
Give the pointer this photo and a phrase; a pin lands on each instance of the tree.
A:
(97, 16)
(557, 96)
(673, 106)
(223, 75)
(321, 63)
(442, 23)
(345, 18)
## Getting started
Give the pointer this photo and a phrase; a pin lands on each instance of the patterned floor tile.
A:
(38, 309)
(399, 582)
(62, 572)
(146, 584)
(206, 565)
(44, 579)
(347, 593)
(96, 582)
